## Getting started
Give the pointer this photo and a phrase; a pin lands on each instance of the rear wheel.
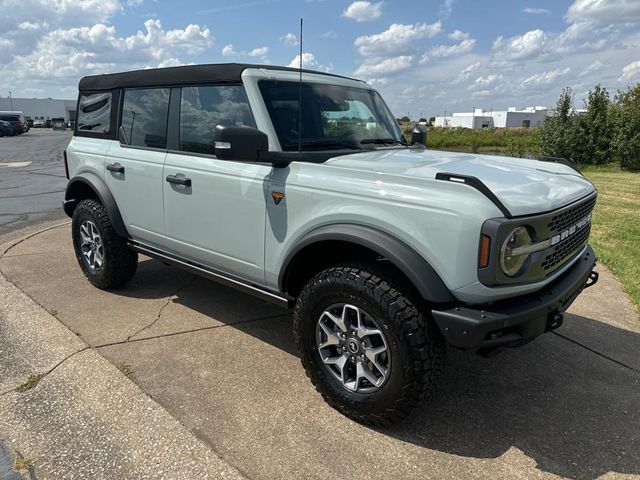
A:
(365, 345)
(104, 257)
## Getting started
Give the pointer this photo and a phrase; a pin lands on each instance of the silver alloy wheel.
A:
(91, 246)
(353, 348)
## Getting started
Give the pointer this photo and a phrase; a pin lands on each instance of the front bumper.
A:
(516, 321)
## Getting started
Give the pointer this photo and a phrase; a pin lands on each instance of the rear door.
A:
(134, 168)
(214, 209)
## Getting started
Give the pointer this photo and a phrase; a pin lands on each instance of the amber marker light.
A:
(483, 254)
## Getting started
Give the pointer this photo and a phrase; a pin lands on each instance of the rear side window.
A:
(144, 117)
(203, 108)
(94, 113)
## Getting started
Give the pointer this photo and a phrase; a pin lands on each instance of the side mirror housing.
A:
(240, 143)
(418, 136)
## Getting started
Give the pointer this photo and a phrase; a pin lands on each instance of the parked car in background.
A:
(29, 122)
(6, 130)
(38, 123)
(58, 124)
(15, 121)
(47, 123)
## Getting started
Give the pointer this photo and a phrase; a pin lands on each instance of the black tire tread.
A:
(120, 261)
(426, 348)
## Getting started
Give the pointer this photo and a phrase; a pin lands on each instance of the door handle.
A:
(179, 180)
(115, 167)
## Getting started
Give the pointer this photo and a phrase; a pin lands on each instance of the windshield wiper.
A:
(321, 143)
(384, 141)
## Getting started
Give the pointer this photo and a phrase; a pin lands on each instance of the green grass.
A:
(615, 231)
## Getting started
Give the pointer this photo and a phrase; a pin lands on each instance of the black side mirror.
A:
(240, 143)
(418, 136)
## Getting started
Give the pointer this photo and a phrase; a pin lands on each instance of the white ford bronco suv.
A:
(299, 187)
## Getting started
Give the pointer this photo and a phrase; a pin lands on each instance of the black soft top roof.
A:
(188, 74)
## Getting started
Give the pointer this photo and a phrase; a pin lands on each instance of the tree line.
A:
(609, 131)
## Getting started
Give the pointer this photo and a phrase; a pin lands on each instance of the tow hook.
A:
(554, 321)
(592, 280)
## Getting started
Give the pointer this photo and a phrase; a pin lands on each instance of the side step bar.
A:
(210, 274)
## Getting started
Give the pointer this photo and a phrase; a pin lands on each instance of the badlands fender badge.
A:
(277, 197)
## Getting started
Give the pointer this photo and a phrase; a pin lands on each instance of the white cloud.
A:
(630, 72)
(382, 66)
(536, 11)
(79, 51)
(396, 40)
(308, 61)
(605, 12)
(362, 11)
(594, 67)
(486, 81)
(329, 34)
(228, 51)
(466, 72)
(446, 8)
(259, 52)
(519, 48)
(289, 39)
(382, 81)
(544, 78)
(458, 35)
(442, 51)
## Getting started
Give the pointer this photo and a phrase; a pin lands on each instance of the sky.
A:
(425, 57)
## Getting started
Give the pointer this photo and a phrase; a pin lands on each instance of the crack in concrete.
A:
(31, 236)
(193, 330)
(166, 304)
(45, 374)
(617, 362)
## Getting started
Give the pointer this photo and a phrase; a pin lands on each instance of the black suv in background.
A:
(16, 123)
(6, 130)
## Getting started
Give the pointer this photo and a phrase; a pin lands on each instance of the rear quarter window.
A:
(94, 113)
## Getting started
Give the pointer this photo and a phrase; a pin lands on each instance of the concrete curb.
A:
(74, 414)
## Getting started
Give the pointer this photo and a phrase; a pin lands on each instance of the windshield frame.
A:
(351, 143)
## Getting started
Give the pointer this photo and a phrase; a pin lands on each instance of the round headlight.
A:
(510, 260)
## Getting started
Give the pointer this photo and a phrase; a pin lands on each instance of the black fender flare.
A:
(406, 259)
(99, 187)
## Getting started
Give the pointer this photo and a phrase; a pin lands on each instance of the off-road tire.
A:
(416, 344)
(120, 262)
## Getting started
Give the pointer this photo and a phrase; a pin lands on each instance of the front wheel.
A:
(365, 345)
(104, 257)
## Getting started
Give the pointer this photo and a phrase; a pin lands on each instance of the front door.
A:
(215, 209)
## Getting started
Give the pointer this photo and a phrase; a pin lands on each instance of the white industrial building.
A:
(41, 108)
(529, 117)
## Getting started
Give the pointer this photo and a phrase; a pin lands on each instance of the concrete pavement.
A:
(224, 365)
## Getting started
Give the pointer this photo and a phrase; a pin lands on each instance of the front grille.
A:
(561, 222)
(566, 248)
(570, 217)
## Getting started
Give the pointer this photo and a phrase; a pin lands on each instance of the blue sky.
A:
(424, 56)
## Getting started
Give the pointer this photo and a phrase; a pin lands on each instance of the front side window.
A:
(95, 113)
(333, 116)
(144, 117)
(203, 108)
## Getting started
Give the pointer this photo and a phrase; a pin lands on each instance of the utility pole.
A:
(11, 100)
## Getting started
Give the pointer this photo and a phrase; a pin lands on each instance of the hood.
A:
(524, 186)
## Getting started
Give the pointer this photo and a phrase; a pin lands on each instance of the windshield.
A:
(333, 116)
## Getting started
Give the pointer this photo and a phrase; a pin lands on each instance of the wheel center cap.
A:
(353, 346)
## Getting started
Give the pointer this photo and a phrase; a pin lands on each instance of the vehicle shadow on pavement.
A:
(574, 412)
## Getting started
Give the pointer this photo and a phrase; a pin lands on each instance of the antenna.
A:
(300, 94)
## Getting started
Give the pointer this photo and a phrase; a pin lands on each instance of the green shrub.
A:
(625, 116)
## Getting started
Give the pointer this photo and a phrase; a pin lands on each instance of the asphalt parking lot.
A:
(225, 366)
(32, 179)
